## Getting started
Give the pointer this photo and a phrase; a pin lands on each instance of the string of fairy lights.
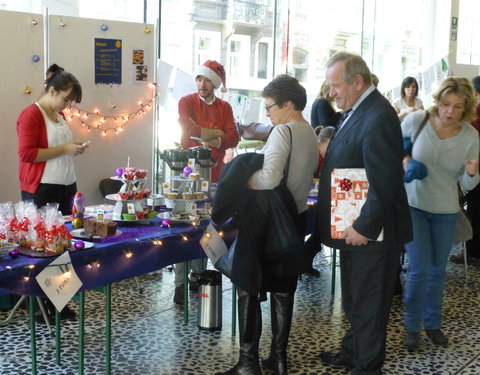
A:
(95, 261)
(95, 120)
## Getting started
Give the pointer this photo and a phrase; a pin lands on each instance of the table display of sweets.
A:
(41, 230)
(132, 195)
(188, 186)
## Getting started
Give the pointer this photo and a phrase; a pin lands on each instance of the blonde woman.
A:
(323, 112)
(449, 147)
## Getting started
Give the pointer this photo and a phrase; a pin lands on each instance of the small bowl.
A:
(151, 214)
(187, 196)
(129, 216)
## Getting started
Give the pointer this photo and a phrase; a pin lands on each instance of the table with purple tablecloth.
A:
(139, 249)
(132, 253)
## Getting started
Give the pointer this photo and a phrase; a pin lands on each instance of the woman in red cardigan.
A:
(45, 146)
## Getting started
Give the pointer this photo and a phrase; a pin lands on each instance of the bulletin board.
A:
(114, 62)
(22, 67)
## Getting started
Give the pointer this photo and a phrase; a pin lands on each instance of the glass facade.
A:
(258, 39)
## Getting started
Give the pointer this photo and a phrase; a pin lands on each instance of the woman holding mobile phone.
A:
(45, 146)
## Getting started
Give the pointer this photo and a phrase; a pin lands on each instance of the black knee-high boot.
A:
(250, 329)
(281, 306)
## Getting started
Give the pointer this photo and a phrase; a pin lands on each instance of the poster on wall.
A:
(139, 70)
(108, 61)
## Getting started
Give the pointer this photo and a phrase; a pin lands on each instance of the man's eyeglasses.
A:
(267, 107)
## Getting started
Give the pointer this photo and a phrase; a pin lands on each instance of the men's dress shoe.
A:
(334, 360)
(437, 337)
(412, 340)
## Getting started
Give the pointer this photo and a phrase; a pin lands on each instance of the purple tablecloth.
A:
(180, 243)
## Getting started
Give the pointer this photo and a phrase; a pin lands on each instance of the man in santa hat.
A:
(205, 116)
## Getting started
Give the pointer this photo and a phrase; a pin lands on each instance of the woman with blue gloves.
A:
(448, 148)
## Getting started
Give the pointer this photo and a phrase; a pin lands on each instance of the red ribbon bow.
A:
(23, 225)
(345, 184)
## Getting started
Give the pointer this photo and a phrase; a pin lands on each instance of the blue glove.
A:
(415, 170)
(407, 145)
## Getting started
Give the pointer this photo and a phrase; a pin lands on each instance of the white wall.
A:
(72, 47)
(20, 41)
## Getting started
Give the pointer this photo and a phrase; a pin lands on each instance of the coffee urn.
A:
(203, 158)
(175, 160)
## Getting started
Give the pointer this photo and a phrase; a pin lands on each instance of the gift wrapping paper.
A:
(349, 190)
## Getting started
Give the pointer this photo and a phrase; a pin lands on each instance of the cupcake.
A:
(199, 194)
(187, 196)
(141, 173)
(124, 195)
(194, 176)
(172, 195)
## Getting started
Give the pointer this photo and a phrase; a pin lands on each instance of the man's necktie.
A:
(342, 118)
(340, 123)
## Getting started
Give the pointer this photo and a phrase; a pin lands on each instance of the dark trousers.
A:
(53, 193)
(368, 283)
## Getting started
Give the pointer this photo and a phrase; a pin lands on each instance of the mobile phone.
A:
(87, 143)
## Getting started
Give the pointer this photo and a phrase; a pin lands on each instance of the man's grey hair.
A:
(354, 64)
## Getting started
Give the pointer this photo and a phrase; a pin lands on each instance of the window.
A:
(262, 60)
(468, 40)
(300, 64)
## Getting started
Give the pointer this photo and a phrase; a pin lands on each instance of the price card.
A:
(100, 214)
(213, 245)
(166, 188)
(193, 209)
(131, 208)
(191, 163)
(59, 281)
(205, 185)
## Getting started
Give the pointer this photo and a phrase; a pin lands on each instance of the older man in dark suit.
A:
(368, 136)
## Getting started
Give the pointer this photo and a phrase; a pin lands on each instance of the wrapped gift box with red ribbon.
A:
(348, 194)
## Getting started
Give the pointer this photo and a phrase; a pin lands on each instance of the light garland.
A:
(116, 124)
(94, 263)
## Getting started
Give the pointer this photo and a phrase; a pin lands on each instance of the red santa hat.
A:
(214, 71)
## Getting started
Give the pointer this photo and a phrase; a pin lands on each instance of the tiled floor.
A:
(149, 337)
